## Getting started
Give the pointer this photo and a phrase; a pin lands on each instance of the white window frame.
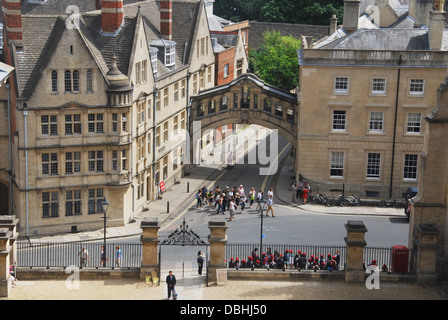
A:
(338, 82)
(414, 125)
(407, 167)
(337, 162)
(335, 121)
(170, 55)
(375, 122)
(376, 82)
(415, 84)
(373, 167)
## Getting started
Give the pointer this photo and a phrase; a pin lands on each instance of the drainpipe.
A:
(25, 114)
(11, 180)
(154, 124)
(395, 129)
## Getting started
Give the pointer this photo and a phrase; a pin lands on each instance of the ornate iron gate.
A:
(183, 236)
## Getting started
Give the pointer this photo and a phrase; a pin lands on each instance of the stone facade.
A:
(97, 120)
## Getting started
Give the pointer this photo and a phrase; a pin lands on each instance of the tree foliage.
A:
(276, 60)
(284, 11)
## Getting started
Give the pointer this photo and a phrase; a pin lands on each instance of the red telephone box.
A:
(400, 258)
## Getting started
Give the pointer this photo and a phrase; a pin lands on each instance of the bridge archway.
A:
(246, 100)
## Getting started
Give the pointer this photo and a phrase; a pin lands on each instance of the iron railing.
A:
(64, 254)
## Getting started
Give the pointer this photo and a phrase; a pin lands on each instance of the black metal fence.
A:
(64, 254)
(243, 250)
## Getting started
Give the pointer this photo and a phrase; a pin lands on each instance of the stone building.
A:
(364, 93)
(100, 88)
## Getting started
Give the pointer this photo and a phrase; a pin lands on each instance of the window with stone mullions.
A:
(72, 124)
(50, 163)
(50, 204)
(95, 123)
(73, 202)
(72, 162)
(49, 125)
(95, 198)
(96, 161)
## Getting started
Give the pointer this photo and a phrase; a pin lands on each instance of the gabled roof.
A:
(40, 37)
(44, 24)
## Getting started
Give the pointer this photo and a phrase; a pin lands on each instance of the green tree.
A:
(276, 60)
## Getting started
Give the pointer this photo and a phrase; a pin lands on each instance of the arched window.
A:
(54, 81)
(224, 103)
(200, 110)
(290, 114)
(89, 81)
(267, 105)
(211, 107)
(278, 110)
(68, 81)
(75, 80)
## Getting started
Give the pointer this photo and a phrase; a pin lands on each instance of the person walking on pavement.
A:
(232, 209)
(252, 194)
(270, 208)
(171, 283)
(259, 198)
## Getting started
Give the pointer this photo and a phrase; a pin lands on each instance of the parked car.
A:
(411, 192)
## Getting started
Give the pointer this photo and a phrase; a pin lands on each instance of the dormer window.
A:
(153, 52)
(170, 52)
(166, 50)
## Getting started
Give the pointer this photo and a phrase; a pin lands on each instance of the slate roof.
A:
(383, 39)
(257, 29)
(44, 24)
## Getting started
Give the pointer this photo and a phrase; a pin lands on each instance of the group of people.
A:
(302, 190)
(230, 199)
(287, 260)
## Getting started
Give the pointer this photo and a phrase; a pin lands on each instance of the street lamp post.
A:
(104, 205)
(262, 202)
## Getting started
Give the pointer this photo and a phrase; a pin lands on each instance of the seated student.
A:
(249, 263)
(302, 261)
(280, 262)
(231, 263)
(243, 264)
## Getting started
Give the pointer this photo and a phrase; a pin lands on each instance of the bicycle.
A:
(383, 203)
(319, 198)
(345, 201)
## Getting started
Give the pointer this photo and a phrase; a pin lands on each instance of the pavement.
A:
(192, 287)
(176, 201)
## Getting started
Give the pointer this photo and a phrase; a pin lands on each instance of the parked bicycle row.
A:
(351, 200)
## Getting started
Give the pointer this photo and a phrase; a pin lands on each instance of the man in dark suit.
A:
(171, 282)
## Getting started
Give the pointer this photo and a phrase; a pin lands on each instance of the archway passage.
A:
(4, 201)
(247, 99)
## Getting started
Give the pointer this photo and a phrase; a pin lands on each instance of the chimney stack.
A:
(333, 24)
(436, 23)
(351, 15)
(112, 16)
(419, 10)
(12, 10)
(166, 19)
(97, 4)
